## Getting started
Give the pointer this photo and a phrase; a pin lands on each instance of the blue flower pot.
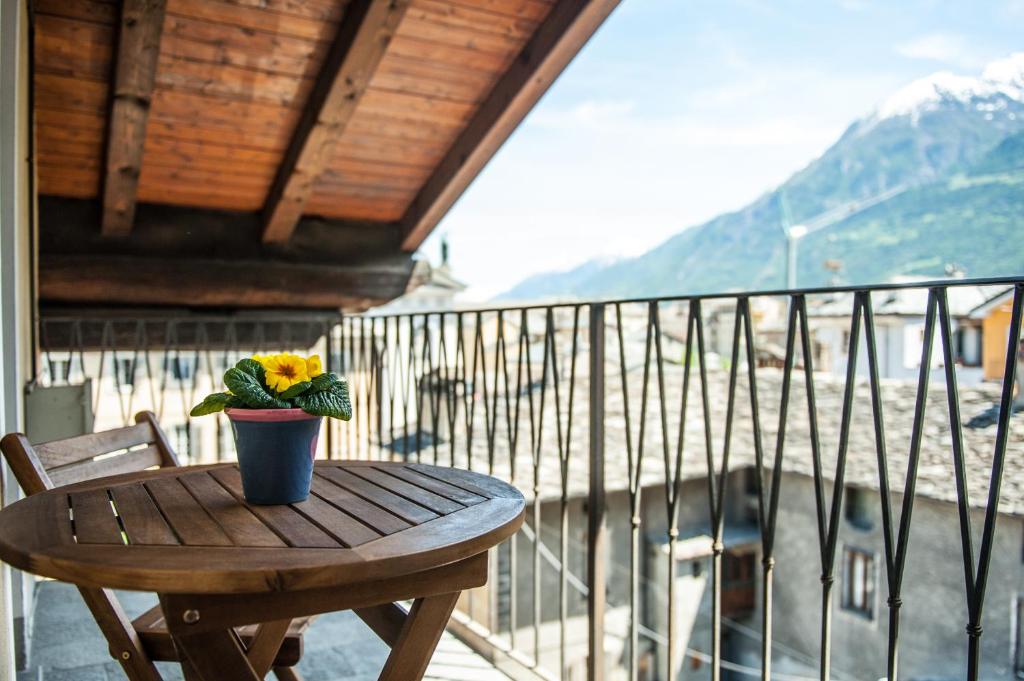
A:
(275, 449)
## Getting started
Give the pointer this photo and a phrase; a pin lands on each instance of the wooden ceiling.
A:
(363, 114)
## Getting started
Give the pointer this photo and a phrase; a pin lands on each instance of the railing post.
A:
(329, 367)
(596, 535)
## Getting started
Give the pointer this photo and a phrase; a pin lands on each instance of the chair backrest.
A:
(61, 462)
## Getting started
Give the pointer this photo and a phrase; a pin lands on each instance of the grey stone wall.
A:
(934, 612)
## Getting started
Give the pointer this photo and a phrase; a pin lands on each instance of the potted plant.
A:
(276, 404)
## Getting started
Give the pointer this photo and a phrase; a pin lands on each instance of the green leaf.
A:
(327, 397)
(235, 403)
(325, 381)
(249, 390)
(254, 369)
(212, 404)
(295, 390)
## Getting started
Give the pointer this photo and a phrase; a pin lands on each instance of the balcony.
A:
(790, 484)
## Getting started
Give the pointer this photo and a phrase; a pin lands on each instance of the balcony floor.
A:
(67, 646)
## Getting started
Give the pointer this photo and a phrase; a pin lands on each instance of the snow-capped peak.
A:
(1003, 76)
(1007, 75)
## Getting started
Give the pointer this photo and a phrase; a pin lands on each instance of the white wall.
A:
(15, 280)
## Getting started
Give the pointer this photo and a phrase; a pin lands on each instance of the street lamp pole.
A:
(793, 236)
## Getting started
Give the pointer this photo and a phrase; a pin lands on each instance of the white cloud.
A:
(946, 48)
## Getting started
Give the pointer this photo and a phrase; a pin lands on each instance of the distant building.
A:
(899, 333)
(993, 321)
(438, 291)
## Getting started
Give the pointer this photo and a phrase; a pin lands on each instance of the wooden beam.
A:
(138, 50)
(557, 40)
(362, 39)
(130, 280)
(69, 227)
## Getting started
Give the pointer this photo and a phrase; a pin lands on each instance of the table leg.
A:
(418, 638)
(216, 656)
(265, 645)
(187, 671)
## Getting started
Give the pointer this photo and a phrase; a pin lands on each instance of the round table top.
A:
(188, 529)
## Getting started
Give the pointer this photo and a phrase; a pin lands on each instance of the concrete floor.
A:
(68, 646)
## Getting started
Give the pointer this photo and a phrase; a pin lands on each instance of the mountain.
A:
(932, 176)
(541, 285)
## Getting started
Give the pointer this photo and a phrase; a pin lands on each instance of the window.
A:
(124, 370)
(857, 512)
(859, 582)
(181, 368)
(738, 584)
(180, 436)
(226, 446)
(59, 370)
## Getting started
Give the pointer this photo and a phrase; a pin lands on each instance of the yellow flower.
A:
(284, 371)
(262, 359)
(313, 366)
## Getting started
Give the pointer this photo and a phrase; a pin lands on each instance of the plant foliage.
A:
(297, 383)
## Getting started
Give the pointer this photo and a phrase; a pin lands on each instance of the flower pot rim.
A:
(269, 415)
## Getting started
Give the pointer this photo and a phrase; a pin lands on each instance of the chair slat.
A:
(67, 452)
(137, 460)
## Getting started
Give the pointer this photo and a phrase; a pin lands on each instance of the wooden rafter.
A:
(564, 32)
(362, 39)
(138, 51)
(195, 257)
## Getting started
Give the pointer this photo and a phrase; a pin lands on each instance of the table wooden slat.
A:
(237, 521)
(434, 502)
(141, 518)
(405, 509)
(371, 514)
(95, 522)
(190, 522)
(290, 525)
(434, 485)
(335, 522)
(477, 484)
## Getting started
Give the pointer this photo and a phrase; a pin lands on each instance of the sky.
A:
(678, 110)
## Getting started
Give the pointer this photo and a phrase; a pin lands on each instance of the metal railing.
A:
(623, 424)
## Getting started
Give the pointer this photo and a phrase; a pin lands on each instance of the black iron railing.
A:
(620, 419)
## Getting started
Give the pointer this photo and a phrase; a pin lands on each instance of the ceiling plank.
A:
(557, 40)
(362, 39)
(138, 52)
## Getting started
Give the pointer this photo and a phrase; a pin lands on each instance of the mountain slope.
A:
(947, 148)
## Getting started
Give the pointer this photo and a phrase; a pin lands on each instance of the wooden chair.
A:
(136, 644)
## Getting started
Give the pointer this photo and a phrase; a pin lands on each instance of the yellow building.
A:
(994, 317)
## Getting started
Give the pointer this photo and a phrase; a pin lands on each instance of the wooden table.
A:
(370, 534)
